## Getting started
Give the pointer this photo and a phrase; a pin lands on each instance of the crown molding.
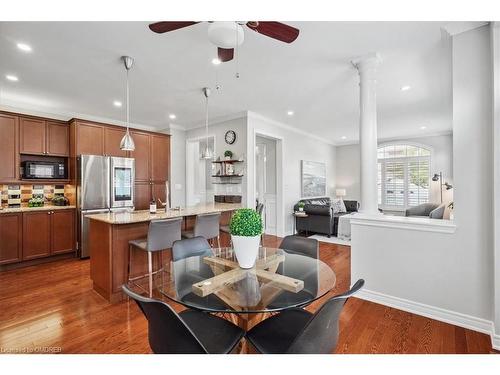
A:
(258, 116)
(66, 116)
(218, 120)
(455, 28)
(391, 139)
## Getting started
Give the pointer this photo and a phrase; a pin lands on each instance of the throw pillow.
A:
(338, 206)
(317, 202)
(437, 213)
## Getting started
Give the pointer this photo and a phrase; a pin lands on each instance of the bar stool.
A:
(206, 226)
(161, 235)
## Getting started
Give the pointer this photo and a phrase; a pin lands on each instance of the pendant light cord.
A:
(206, 119)
(128, 103)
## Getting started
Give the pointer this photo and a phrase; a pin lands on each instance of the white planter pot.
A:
(246, 250)
(301, 208)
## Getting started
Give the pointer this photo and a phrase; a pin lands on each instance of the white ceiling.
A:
(75, 67)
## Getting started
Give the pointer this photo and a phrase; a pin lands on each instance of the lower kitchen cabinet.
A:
(11, 240)
(36, 234)
(62, 231)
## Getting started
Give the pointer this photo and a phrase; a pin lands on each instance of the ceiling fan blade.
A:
(275, 30)
(165, 26)
(225, 54)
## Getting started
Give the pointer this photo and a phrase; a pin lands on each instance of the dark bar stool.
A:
(161, 235)
(206, 226)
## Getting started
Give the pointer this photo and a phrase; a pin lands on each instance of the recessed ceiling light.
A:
(12, 78)
(24, 47)
(343, 137)
(405, 88)
(290, 113)
(423, 127)
(172, 116)
(216, 61)
(117, 103)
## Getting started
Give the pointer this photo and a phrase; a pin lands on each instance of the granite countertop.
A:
(47, 207)
(145, 216)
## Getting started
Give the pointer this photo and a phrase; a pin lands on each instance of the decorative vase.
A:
(246, 249)
(301, 208)
(228, 157)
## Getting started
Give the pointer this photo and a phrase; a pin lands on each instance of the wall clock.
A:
(230, 137)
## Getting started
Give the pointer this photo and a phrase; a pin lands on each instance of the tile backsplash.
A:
(16, 195)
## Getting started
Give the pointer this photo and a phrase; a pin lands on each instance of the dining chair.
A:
(296, 268)
(300, 245)
(187, 272)
(297, 331)
(206, 226)
(161, 235)
(187, 332)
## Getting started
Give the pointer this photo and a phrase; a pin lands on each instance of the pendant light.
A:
(207, 153)
(127, 143)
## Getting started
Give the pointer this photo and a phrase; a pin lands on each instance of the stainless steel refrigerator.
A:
(104, 184)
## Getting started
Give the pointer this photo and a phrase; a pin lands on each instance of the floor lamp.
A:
(439, 177)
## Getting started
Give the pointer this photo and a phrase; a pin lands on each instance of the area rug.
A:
(332, 239)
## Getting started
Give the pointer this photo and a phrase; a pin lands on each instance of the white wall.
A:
(218, 130)
(178, 167)
(471, 267)
(297, 146)
(449, 276)
(347, 173)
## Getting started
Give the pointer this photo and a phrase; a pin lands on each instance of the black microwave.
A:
(45, 170)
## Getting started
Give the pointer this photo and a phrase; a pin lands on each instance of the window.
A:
(403, 176)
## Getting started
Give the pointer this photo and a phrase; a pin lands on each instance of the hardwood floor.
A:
(52, 307)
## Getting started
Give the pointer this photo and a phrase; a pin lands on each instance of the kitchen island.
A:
(109, 234)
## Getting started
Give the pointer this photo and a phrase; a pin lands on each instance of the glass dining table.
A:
(213, 282)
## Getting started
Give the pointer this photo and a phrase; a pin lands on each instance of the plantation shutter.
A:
(394, 183)
(418, 182)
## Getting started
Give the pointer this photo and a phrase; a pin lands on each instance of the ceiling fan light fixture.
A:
(222, 34)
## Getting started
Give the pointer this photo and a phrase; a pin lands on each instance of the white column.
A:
(367, 69)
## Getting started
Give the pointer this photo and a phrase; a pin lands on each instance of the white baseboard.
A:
(437, 313)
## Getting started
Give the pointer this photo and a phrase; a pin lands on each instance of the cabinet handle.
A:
(48, 213)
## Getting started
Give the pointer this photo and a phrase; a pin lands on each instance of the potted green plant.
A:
(301, 206)
(246, 229)
(228, 154)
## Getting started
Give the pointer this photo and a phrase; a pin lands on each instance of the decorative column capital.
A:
(366, 63)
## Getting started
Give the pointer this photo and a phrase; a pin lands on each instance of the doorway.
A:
(266, 181)
(199, 186)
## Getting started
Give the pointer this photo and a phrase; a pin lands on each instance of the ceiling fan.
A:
(227, 35)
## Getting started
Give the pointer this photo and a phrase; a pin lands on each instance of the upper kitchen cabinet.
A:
(141, 154)
(41, 137)
(112, 139)
(9, 153)
(32, 136)
(57, 138)
(160, 155)
(89, 138)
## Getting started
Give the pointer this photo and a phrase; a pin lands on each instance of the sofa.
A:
(320, 217)
(430, 210)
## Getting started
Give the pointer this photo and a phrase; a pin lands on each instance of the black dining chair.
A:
(191, 271)
(189, 332)
(298, 331)
(300, 245)
(302, 269)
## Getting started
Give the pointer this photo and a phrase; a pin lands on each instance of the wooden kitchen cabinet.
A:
(9, 153)
(160, 155)
(112, 139)
(158, 191)
(11, 241)
(48, 232)
(62, 231)
(32, 136)
(142, 195)
(141, 154)
(89, 139)
(36, 234)
(41, 137)
(57, 138)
